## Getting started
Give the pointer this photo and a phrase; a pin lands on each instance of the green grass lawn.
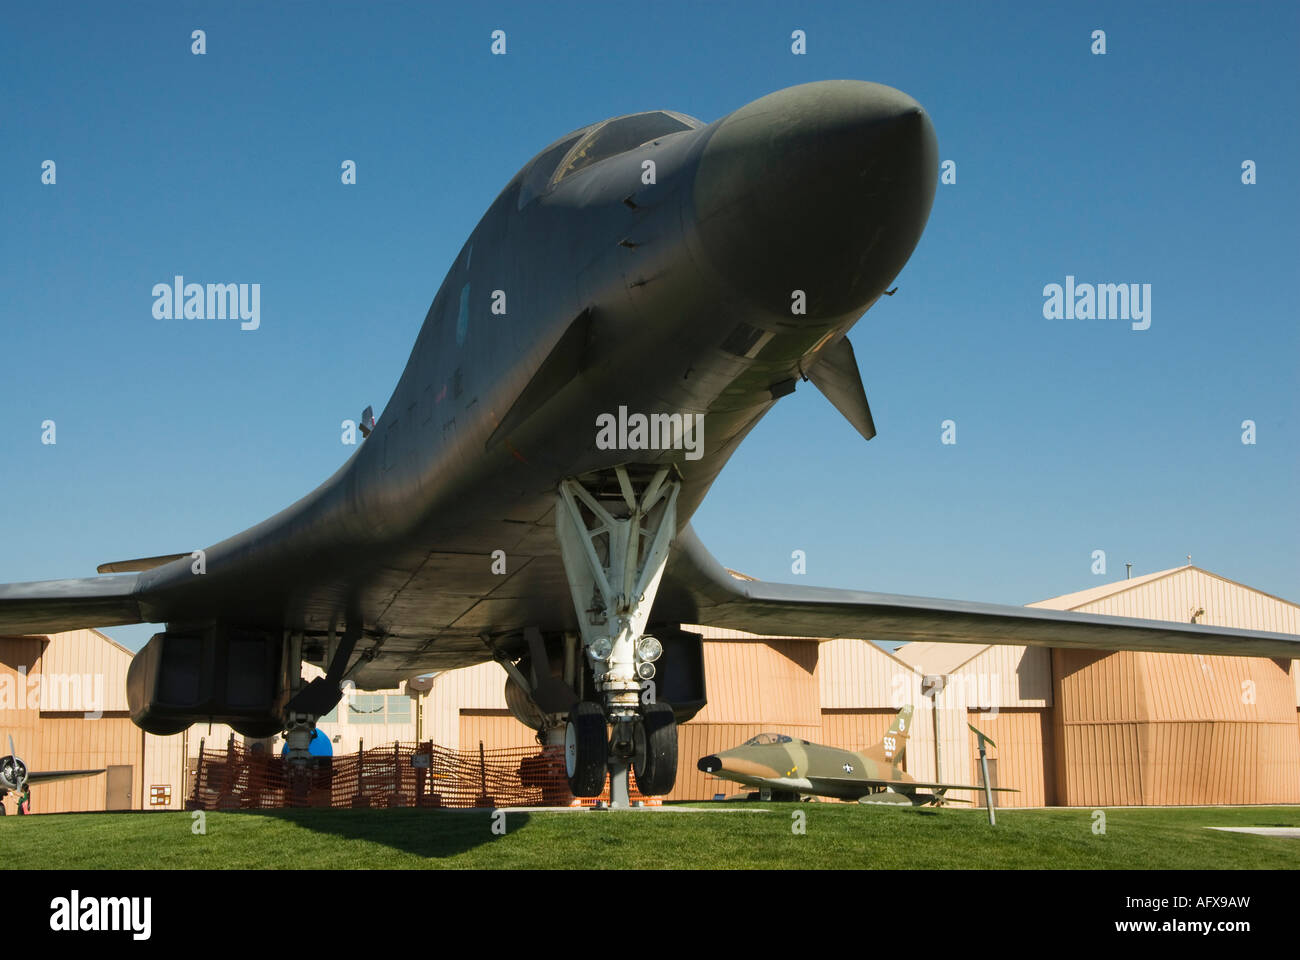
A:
(837, 836)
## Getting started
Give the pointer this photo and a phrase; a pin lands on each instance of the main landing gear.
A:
(614, 541)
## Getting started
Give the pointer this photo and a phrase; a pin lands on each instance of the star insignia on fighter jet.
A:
(848, 768)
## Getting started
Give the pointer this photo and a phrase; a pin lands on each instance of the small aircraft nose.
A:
(823, 188)
(710, 764)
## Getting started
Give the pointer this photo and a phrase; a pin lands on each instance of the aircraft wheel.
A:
(585, 745)
(655, 766)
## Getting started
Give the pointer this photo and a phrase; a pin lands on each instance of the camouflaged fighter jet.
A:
(638, 297)
(784, 768)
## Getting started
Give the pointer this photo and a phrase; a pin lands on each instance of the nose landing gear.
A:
(614, 542)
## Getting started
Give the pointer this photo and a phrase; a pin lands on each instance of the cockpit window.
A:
(621, 134)
(764, 739)
(540, 171)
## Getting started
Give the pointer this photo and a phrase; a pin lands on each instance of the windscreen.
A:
(621, 134)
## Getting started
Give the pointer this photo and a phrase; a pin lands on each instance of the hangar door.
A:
(119, 787)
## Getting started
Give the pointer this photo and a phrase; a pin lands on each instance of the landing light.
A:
(601, 648)
(649, 649)
(645, 670)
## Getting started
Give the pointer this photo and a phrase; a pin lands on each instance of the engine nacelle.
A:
(218, 673)
(679, 679)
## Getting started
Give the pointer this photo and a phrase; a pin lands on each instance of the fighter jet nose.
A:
(710, 764)
(823, 188)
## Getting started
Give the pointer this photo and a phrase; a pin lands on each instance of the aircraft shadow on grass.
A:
(433, 834)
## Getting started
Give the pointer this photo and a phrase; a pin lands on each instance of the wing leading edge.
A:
(52, 606)
(699, 590)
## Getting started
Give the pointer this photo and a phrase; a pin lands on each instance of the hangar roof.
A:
(1188, 573)
(1231, 608)
(932, 657)
(1071, 601)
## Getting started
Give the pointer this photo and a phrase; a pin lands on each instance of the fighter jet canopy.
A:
(766, 739)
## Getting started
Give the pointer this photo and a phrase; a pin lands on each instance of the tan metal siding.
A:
(1024, 753)
(1006, 677)
(495, 728)
(84, 671)
(767, 682)
(76, 743)
(1177, 596)
(164, 765)
(857, 673)
(859, 729)
(480, 687)
(1173, 729)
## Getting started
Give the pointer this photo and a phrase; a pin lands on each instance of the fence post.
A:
(482, 769)
(198, 771)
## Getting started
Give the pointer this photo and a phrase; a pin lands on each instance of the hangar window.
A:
(366, 708)
(379, 708)
(622, 134)
(765, 739)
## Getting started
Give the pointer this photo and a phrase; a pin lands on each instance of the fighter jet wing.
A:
(902, 786)
(697, 589)
(51, 606)
(51, 775)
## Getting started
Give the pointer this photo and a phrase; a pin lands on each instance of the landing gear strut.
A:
(615, 549)
(317, 698)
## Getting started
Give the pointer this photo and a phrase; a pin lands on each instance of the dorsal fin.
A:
(135, 566)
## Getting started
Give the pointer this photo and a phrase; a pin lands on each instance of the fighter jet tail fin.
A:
(836, 375)
(893, 746)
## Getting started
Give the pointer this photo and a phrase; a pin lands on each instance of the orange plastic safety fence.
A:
(394, 775)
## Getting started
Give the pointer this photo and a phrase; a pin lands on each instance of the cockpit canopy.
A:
(598, 142)
(766, 739)
(619, 135)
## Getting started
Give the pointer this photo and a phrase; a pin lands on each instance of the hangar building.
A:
(1071, 728)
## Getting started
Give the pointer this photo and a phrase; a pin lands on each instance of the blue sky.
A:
(1072, 435)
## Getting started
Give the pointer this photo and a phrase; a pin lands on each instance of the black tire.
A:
(655, 766)
(585, 747)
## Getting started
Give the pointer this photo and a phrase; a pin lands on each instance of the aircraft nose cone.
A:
(710, 764)
(823, 188)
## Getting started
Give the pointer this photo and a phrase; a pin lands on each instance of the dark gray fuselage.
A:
(672, 297)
